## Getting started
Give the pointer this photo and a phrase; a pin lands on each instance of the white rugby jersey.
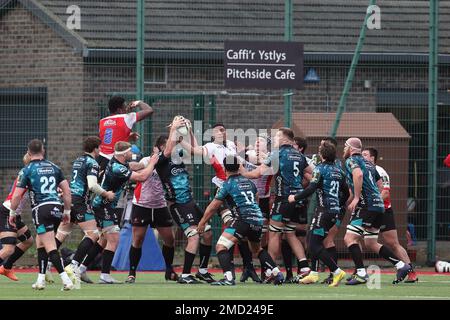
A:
(216, 154)
(386, 185)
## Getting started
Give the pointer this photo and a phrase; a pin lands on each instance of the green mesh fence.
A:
(60, 61)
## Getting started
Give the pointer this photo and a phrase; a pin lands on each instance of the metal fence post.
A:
(432, 128)
(288, 8)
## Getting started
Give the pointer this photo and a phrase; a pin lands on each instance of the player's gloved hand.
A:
(291, 198)
(110, 195)
(12, 218)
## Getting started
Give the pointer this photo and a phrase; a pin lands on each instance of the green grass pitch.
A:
(153, 286)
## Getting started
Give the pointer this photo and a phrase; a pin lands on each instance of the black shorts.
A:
(155, 217)
(302, 214)
(242, 230)
(388, 221)
(283, 211)
(186, 214)
(4, 223)
(322, 222)
(47, 217)
(362, 217)
(81, 210)
(264, 205)
(106, 216)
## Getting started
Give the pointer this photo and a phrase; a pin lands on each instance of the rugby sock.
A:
(168, 254)
(357, 257)
(204, 253)
(55, 258)
(134, 256)
(387, 254)
(286, 252)
(246, 254)
(42, 260)
(325, 256)
(188, 261)
(266, 260)
(314, 264)
(333, 252)
(82, 250)
(92, 253)
(58, 243)
(13, 258)
(107, 258)
(231, 251)
(302, 265)
(263, 268)
(224, 260)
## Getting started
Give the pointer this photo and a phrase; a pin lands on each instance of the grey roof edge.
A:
(52, 21)
(217, 55)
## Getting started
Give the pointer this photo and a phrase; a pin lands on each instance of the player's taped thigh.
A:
(265, 228)
(371, 234)
(111, 229)
(8, 240)
(227, 243)
(226, 216)
(276, 229)
(24, 236)
(64, 233)
(358, 230)
(91, 232)
(289, 228)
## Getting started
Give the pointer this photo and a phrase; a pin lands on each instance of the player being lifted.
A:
(150, 208)
(367, 210)
(328, 180)
(186, 213)
(84, 183)
(42, 178)
(118, 125)
(107, 215)
(15, 240)
(241, 194)
(289, 166)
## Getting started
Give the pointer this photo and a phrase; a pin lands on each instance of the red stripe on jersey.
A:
(218, 168)
(137, 191)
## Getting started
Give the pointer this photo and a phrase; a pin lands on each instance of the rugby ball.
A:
(442, 266)
(184, 130)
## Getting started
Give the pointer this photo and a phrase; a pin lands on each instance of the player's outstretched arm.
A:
(172, 141)
(98, 190)
(67, 199)
(209, 212)
(143, 175)
(15, 200)
(312, 187)
(146, 110)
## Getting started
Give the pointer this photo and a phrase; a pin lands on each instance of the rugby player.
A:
(367, 210)
(388, 230)
(42, 178)
(241, 194)
(15, 241)
(290, 166)
(117, 174)
(84, 183)
(301, 221)
(118, 125)
(214, 153)
(255, 158)
(186, 213)
(328, 180)
(150, 209)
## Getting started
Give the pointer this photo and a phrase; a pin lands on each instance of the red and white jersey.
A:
(113, 129)
(7, 202)
(150, 193)
(216, 154)
(386, 185)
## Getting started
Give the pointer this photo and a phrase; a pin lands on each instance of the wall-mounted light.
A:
(311, 76)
